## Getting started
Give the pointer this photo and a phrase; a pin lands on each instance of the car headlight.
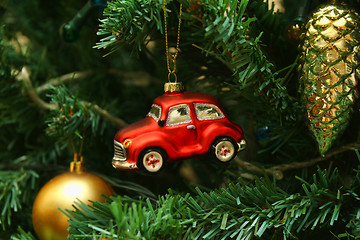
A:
(127, 143)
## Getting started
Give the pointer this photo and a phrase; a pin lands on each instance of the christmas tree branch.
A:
(279, 170)
(64, 78)
(139, 76)
(24, 76)
(105, 114)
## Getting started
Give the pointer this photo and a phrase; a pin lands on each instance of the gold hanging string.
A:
(168, 55)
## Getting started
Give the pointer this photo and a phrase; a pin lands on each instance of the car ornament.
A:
(180, 125)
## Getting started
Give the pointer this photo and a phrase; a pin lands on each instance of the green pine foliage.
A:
(15, 191)
(57, 97)
(239, 211)
(70, 116)
(22, 235)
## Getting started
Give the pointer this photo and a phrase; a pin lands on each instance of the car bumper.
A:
(242, 145)
(123, 165)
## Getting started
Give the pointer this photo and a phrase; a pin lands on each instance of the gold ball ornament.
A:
(60, 193)
(293, 32)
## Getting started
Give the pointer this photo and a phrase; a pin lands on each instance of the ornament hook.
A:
(175, 76)
(76, 165)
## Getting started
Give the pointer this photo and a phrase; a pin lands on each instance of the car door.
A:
(180, 126)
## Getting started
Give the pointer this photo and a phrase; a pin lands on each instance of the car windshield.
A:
(155, 112)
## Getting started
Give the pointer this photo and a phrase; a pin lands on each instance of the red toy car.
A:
(179, 125)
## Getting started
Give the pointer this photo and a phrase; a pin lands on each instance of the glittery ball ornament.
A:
(60, 193)
(329, 70)
(293, 32)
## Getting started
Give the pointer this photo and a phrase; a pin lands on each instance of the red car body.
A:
(180, 125)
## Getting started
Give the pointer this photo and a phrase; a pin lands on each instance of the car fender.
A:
(148, 140)
(221, 129)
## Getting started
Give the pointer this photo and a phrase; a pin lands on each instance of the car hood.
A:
(135, 129)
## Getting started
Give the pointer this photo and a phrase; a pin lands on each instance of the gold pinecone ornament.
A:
(329, 69)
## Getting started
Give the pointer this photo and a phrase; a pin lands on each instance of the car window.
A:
(205, 111)
(178, 114)
(155, 112)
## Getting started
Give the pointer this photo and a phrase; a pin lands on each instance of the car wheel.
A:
(224, 149)
(152, 160)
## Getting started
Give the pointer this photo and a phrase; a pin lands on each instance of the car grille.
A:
(119, 151)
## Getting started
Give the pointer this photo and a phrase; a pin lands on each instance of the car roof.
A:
(169, 99)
